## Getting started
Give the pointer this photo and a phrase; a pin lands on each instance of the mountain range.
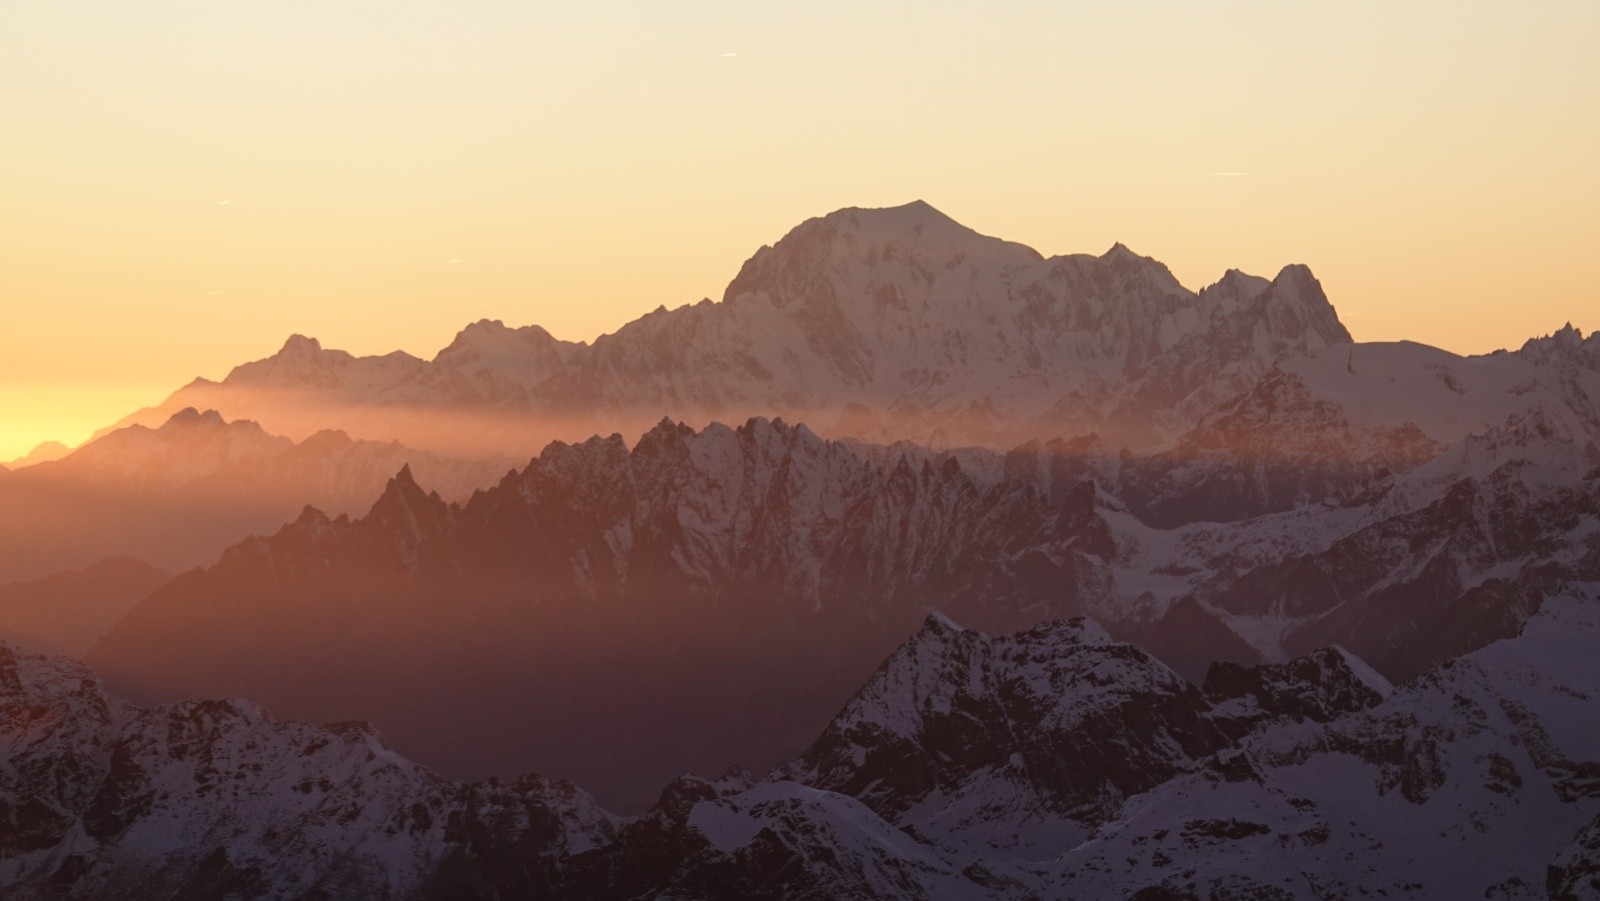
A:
(176, 495)
(1246, 608)
(881, 324)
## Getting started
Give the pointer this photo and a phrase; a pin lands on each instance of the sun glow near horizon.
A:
(202, 180)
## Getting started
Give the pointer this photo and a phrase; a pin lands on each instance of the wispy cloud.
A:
(726, 55)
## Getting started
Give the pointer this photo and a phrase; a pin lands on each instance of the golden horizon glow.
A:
(191, 182)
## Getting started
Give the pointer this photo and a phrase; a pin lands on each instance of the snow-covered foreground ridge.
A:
(99, 798)
(1054, 762)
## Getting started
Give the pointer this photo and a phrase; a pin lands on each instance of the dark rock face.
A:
(1575, 873)
(1320, 687)
(1074, 718)
(702, 599)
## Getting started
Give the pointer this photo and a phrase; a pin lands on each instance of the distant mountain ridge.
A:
(42, 453)
(67, 612)
(177, 494)
(880, 323)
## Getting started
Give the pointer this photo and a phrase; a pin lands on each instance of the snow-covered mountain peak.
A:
(1120, 251)
(1567, 336)
(878, 323)
(1250, 284)
(188, 445)
(1058, 722)
(1299, 275)
(328, 440)
(1122, 266)
(522, 356)
(45, 452)
(938, 622)
(943, 660)
(480, 334)
(850, 252)
(1234, 291)
(1566, 343)
(189, 419)
(1298, 305)
(299, 345)
(304, 362)
(917, 218)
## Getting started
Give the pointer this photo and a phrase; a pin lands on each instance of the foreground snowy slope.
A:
(1050, 763)
(1472, 781)
(213, 799)
(1315, 779)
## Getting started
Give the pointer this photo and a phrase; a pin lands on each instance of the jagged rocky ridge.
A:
(1053, 762)
(697, 600)
(886, 324)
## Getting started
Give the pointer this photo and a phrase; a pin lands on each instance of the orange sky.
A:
(188, 183)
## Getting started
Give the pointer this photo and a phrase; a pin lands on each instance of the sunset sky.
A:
(186, 184)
